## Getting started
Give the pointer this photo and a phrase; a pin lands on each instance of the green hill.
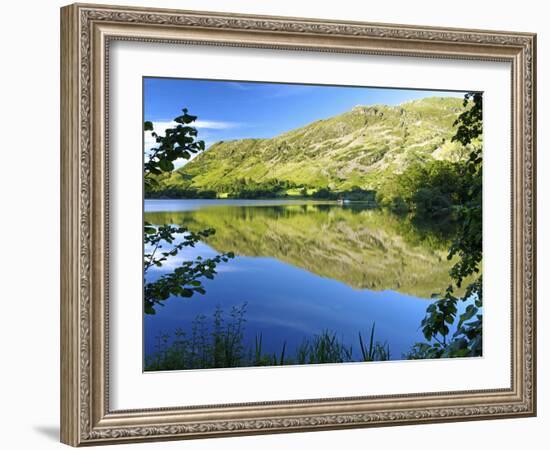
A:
(354, 149)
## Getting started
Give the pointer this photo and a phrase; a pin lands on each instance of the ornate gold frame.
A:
(86, 31)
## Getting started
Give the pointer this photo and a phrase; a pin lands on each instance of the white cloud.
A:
(149, 141)
(242, 86)
(215, 125)
(161, 126)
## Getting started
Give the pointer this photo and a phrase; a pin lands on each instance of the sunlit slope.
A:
(356, 148)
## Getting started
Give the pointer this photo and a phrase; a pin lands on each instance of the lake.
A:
(303, 267)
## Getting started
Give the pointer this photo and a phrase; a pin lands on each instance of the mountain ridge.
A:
(354, 149)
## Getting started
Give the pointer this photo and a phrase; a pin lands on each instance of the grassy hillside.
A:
(356, 148)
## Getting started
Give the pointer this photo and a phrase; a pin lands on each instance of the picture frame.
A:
(87, 32)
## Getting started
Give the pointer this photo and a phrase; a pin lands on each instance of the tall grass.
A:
(222, 345)
(375, 350)
(323, 348)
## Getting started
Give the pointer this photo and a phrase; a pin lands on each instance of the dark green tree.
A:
(467, 246)
(166, 241)
(178, 142)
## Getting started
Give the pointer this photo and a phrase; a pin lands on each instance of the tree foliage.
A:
(467, 245)
(178, 142)
(431, 189)
(185, 280)
(166, 241)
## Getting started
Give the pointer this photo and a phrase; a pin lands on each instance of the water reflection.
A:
(304, 267)
(361, 247)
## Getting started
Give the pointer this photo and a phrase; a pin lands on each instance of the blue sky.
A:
(234, 110)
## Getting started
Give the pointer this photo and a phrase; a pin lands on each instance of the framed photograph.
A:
(278, 224)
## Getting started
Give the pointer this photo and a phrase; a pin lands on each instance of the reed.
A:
(222, 345)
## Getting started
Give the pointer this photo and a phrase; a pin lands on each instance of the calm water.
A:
(304, 267)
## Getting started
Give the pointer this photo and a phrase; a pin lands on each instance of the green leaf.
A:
(166, 165)
(149, 230)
